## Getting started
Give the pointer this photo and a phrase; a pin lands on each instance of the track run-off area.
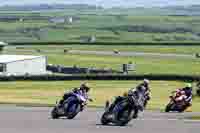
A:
(38, 120)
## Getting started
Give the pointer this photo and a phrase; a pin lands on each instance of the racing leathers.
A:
(141, 92)
(188, 93)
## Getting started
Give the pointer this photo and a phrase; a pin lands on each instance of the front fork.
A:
(107, 105)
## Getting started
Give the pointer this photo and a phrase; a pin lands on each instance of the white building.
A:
(18, 65)
(57, 20)
(61, 20)
(70, 20)
(3, 44)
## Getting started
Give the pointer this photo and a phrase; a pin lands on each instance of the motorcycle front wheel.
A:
(124, 114)
(104, 119)
(54, 113)
(71, 108)
(169, 107)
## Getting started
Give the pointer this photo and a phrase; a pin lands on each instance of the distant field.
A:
(49, 92)
(144, 65)
(104, 25)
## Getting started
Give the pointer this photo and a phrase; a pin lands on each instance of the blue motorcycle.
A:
(122, 113)
(70, 107)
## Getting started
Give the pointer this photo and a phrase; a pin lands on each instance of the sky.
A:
(105, 3)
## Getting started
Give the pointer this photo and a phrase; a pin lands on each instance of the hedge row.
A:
(101, 77)
(106, 43)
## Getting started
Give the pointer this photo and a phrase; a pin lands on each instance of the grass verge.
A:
(46, 93)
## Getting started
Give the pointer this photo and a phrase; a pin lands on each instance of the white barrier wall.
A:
(35, 66)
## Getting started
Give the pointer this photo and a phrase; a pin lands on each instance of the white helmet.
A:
(146, 81)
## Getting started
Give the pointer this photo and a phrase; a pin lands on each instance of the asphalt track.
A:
(111, 53)
(161, 55)
(37, 120)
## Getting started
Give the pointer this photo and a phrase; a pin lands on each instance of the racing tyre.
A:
(54, 113)
(135, 115)
(168, 107)
(104, 120)
(123, 114)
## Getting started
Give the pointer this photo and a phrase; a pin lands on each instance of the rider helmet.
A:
(188, 85)
(85, 86)
(146, 81)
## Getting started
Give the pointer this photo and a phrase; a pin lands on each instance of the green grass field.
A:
(144, 65)
(29, 92)
(105, 26)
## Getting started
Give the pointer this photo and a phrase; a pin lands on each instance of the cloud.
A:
(106, 3)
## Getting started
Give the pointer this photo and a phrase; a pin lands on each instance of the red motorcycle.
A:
(177, 102)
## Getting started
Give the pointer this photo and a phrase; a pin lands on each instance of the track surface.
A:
(161, 55)
(37, 120)
(111, 53)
